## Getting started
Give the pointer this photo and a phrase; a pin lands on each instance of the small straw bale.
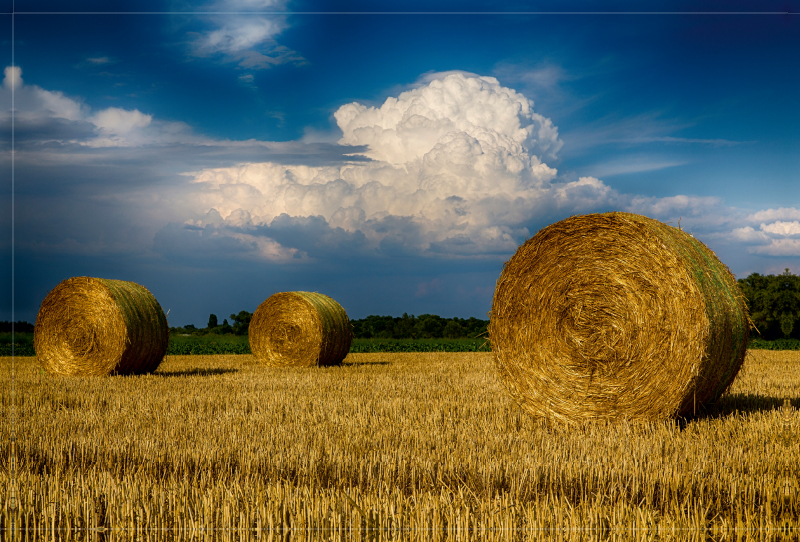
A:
(91, 326)
(300, 329)
(616, 316)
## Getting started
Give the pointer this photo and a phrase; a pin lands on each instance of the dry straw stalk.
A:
(300, 329)
(92, 326)
(616, 315)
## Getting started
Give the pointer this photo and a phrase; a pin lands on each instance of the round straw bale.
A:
(91, 326)
(616, 316)
(300, 329)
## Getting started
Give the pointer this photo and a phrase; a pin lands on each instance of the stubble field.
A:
(426, 446)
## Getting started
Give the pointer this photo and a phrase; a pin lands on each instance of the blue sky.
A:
(219, 152)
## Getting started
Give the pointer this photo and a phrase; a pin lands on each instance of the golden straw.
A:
(616, 315)
(92, 326)
(300, 329)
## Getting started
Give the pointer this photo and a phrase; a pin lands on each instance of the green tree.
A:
(373, 326)
(475, 327)
(404, 326)
(212, 321)
(429, 326)
(453, 330)
(774, 303)
(19, 327)
(241, 322)
(787, 324)
(425, 326)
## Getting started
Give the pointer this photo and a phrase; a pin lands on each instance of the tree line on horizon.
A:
(424, 326)
(20, 326)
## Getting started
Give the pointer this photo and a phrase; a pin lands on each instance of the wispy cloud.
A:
(634, 164)
(247, 80)
(669, 139)
(643, 129)
(97, 61)
(545, 75)
(89, 63)
(632, 129)
(239, 34)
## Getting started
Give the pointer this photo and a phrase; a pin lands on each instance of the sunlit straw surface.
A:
(300, 329)
(92, 326)
(616, 316)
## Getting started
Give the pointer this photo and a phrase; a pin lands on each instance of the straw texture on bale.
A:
(616, 316)
(300, 329)
(91, 326)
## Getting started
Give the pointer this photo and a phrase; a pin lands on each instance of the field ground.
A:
(387, 446)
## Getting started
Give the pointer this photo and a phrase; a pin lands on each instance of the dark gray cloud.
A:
(39, 131)
(314, 236)
(200, 246)
(60, 140)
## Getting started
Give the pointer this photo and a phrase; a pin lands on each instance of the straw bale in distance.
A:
(300, 329)
(93, 326)
(616, 315)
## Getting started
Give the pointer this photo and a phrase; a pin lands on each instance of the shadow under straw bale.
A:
(197, 372)
(744, 403)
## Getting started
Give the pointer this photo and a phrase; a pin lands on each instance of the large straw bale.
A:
(615, 315)
(300, 329)
(92, 326)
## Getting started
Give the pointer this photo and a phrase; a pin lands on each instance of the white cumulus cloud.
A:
(773, 236)
(782, 229)
(12, 77)
(749, 235)
(779, 247)
(31, 101)
(56, 116)
(468, 106)
(453, 160)
(782, 213)
(120, 121)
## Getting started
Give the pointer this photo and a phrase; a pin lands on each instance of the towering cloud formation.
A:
(455, 162)
(464, 107)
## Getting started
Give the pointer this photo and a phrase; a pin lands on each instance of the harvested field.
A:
(422, 446)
